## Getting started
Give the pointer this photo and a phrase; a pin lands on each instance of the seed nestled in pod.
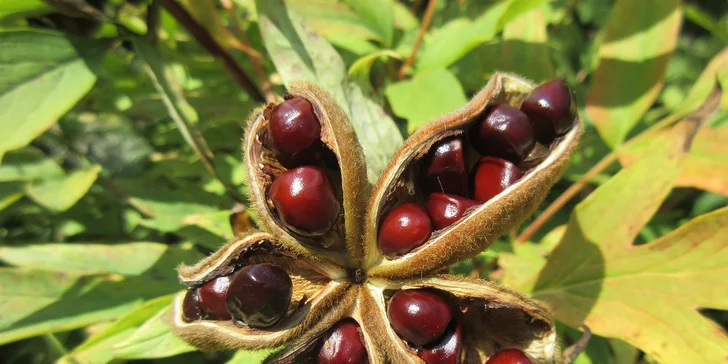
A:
(259, 295)
(212, 298)
(551, 108)
(493, 176)
(294, 132)
(505, 132)
(305, 199)
(445, 209)
(191, 305)
(405, 228)
(343, 345)
(445, 351)
(446, 170)
(509, 356)
(419, 316)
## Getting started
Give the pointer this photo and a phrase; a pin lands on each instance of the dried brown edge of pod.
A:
(542, 346)
(311, 299)
(482, 224)
(339, 136)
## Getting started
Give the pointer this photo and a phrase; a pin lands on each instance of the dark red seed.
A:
(509, 356)
(305, 199)
(446, 171)
(294, 132)
(343, 345)
(419, 316)
(445, 351)
(405, 228)
(445, 209)
(191, 310)
(493, 175)
(212, 298)
(551, 108)
(259, 295)
(505, 132)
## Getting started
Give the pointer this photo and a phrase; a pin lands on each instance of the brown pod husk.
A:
(316, 288)
(484, 223)
(342, 273)
(339, 137)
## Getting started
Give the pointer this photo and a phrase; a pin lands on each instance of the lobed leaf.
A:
(646, 295)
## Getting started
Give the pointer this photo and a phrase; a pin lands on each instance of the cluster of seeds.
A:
(463, 171)
(302, 190)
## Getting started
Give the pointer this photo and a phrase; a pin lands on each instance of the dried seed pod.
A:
(342, 273)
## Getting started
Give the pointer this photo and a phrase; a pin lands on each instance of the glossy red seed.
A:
(191, 310)
(343, 345)
(294, 132)
(505, 132)
(405, 228)
(212, 298)
(445, 209)
(446, 171)
(419, 316)
(304, 198)
(445, 351)
(551, 108)
(259, 295)
(492, 176)
(509, 356)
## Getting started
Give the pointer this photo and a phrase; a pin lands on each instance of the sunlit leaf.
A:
(60, 193)
(28, 165)
(153, 339)
(131, 259)
(22, 7)
(44, 75)
(378, 15)
(646, 295)
(425, 97)
(524, 49)
(639, 40)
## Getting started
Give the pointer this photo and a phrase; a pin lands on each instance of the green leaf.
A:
(131, 259)
(378, 15)
(35, 302)
(331, 18)
(28, 165)
(60, 193)
(22, 7)
(361, 68)
(167, 208)
(10, 192)
(639, 40)
(446, 45)
(524, 50)
(647, 295)
(299, 54)
(153, 339)
(98, 348)
(44, 75)
(425, 97)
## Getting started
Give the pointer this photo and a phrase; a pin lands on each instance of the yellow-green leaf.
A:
(524, 50)
(646, 295)
(640, 38)
(60, 193)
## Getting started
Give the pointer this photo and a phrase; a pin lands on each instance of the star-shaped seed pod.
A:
(344, 272)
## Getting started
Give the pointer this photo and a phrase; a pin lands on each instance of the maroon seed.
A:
(259, 295)
(505, 132)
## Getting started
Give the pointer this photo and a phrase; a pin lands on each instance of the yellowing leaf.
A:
(646, 295)
(639, 40)
(707, 166)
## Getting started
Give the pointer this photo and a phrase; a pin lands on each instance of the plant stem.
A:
(212, 46)
(423, 28)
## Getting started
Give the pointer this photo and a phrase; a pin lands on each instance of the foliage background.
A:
(121, 124)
